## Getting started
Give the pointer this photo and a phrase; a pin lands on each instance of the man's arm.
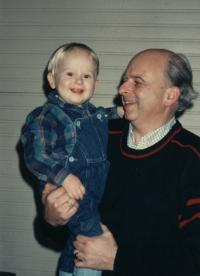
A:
(96, 252)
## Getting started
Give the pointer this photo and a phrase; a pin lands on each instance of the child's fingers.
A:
(75, 193)
(79, 194)
(80, 191)
(82, 188)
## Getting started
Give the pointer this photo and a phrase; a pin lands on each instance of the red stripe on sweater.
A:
(186, 221)
(187, 146)
(193, 201)
(153, 151)
(114, 132)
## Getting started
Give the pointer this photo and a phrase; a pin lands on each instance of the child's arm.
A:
(114, 112)
(39, 135)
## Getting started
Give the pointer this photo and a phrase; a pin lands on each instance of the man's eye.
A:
(137, 83)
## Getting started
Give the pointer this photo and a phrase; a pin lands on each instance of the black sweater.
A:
(152, 204)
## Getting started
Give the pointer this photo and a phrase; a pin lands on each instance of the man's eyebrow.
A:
(137, 77)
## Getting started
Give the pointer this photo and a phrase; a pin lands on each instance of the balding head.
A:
(178, 72)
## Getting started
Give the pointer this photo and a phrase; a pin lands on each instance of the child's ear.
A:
(51, 80)
(172, 95)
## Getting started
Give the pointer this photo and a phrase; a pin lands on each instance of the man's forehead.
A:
(147, 61)
(135, 69)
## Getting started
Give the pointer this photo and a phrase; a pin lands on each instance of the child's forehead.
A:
(76, 52)
(77, 56)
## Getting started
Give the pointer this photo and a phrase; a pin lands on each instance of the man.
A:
(151, 204)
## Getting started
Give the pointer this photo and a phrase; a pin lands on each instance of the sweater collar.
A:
(150, 138)
(142, 153)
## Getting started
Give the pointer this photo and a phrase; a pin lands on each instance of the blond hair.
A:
(59, 53)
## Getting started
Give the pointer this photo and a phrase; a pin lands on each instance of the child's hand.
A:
(120, 111)
(74, 187)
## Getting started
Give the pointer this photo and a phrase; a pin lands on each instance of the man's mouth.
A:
(129, 101)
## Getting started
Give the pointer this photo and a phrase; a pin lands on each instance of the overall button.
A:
(78, 123)
(71, 159)
(99, 116)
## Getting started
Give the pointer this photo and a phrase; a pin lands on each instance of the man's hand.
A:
(96, 252)
(58, 206)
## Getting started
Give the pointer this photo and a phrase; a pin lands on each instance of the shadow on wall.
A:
(47, 235)
(45, 86)
(53, 238)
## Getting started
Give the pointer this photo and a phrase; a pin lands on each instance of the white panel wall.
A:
(29, 32)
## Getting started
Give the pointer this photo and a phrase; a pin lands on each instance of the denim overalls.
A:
(87, 161)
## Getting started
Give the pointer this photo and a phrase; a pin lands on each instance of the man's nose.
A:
(125, 88)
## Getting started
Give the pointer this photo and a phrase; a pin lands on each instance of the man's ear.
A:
(51, 80)
(172, 95)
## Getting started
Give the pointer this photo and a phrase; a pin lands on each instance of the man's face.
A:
(143, 89)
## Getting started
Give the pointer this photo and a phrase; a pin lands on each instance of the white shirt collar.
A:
(150, 138)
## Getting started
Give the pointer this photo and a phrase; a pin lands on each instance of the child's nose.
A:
(79, 80)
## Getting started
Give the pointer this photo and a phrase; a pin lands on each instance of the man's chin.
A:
(129, 112)
(130, 107)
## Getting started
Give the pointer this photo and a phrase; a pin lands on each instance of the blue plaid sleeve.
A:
(39, 138)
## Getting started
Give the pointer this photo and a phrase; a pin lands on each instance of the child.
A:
(65, 141)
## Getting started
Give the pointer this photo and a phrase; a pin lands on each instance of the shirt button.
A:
(71, 159)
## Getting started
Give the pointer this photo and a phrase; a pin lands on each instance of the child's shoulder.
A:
(42, 110)
(39, 113)
(34, 113)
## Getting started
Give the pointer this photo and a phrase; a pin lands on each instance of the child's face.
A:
(75, 78)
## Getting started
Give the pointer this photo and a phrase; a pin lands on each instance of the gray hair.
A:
(180, 74)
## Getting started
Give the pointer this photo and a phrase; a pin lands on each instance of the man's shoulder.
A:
(188, 140)
(116, 126)
(187, 136)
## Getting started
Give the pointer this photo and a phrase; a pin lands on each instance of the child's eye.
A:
(87, 76)
(69, 74)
